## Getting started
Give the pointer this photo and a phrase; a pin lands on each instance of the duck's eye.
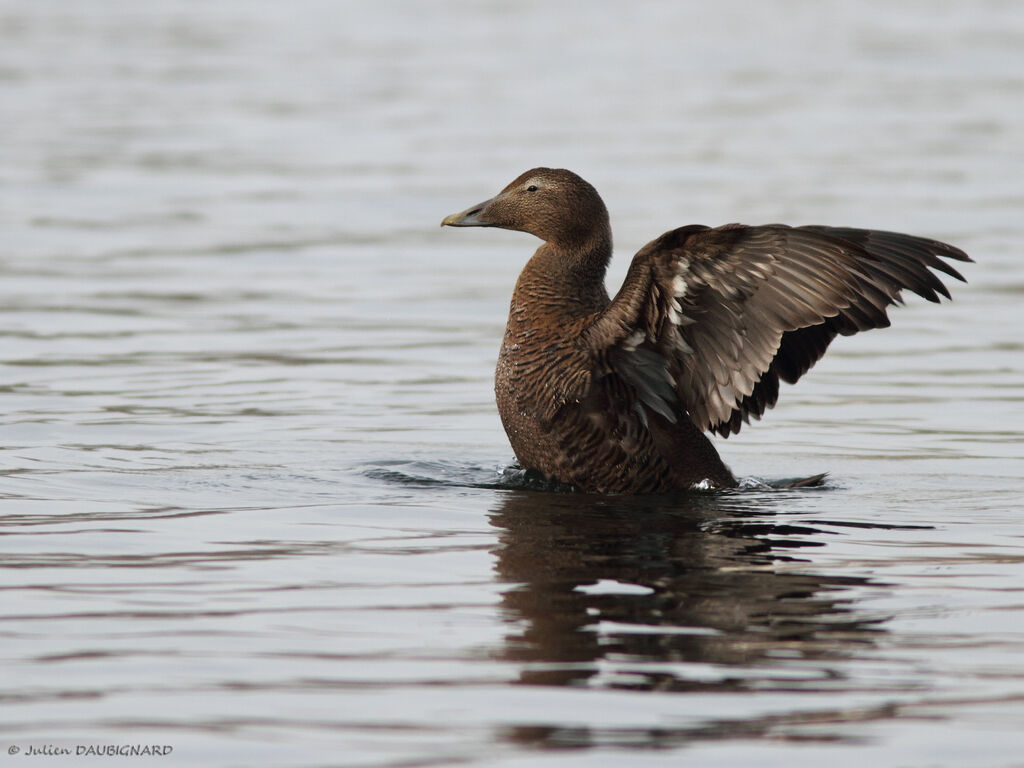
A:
(532, 188)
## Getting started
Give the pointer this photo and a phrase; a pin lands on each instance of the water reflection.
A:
(701, 593)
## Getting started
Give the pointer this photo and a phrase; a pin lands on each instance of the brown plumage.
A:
(615, 395)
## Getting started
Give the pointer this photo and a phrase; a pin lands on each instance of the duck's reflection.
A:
(633, 593)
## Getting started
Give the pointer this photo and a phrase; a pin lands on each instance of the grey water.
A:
(256, 502)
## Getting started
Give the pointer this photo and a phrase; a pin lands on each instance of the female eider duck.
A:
(614, 396)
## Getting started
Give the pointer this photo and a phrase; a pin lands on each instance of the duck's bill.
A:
(471, 217)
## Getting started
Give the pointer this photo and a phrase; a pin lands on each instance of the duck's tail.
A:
(815, 481)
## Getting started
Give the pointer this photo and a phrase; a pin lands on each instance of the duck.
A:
(618, 395)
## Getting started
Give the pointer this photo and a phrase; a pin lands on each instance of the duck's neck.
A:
(567, 278)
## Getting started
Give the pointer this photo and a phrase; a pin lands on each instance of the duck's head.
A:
(554, 204)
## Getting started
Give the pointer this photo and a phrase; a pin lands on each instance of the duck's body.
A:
(615, 395)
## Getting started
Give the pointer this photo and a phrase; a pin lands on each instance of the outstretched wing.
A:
(714, 318)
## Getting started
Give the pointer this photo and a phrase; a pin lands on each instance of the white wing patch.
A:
(679, 286)
(675, 307)
(634, 340)
(675, 312)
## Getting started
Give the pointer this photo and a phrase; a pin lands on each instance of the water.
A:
(256, 502)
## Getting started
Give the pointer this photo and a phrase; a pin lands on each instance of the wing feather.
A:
(727, 313)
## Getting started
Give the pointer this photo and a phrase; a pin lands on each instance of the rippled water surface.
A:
(257, 505)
